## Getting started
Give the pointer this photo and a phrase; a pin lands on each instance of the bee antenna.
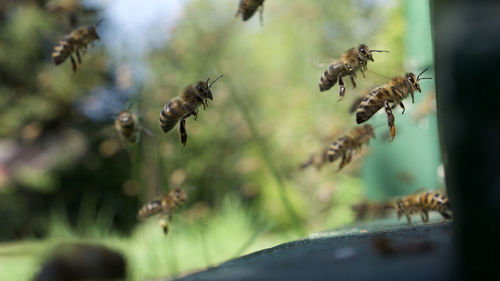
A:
(379, 51)
(423, 78)
(214, 80)
(418, 77)
(98, 22)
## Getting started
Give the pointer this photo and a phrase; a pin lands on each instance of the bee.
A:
(248, 7)
(185, 105)
(169, 202)
(128, 127)
(423, 203)
(346, 145)
(389, 96)
(363, 209)
(75, 42)
(353, 60)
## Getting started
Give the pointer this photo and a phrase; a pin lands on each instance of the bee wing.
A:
(147, 132)
(320, 61)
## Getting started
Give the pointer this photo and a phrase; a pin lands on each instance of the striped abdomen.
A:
(152, 208)
(63, 50)
(248, 8)
(171, 113)
(330, 76)
(339, 147)
(128, 131)
(434, 201)
(371, 104)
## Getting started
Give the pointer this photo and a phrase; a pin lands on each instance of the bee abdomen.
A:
(61, 51)
(170, 114)
(371, 104)
(150, 209)
(248, 8)
(329, 77)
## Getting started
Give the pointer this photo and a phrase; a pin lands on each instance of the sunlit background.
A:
(66, 176)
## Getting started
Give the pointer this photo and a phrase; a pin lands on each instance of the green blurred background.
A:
(65, 176)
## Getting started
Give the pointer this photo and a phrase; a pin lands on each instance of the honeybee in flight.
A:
(169, 202)
(248, 7)
(75, 42)
(185, 105)
(353, 60)
(423, 203)
(346, 145)
(389, 96)
(128, 127)
(366, 208)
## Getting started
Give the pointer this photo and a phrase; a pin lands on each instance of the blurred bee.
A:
(165, 205)
(353, 60)
(423, 203)
(346, 145)
(368, 208)
(389, 96)
(75, 42)
(128, 127)
(185, 105)
(248, 7)
(427, 106)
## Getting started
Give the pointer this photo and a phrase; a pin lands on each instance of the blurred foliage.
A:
(61, 163)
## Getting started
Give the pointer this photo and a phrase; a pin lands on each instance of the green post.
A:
(411, 161)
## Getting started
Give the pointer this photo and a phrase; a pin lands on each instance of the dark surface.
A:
(385, 252)
(467, 48)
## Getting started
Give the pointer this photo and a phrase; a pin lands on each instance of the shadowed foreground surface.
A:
(369, 252)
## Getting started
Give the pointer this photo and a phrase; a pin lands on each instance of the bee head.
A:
(414, 80)
(93, 32)
(179, 195)
(204, 88)
(364, 53)
(125, 118)
(369, 130)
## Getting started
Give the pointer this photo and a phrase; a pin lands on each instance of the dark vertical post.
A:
(467, 57)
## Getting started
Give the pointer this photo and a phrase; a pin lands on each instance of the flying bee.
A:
(128, 127)
(423, 203)
(365, 209)
(169, 202)
(346, 145)
(351, 61)
(75, 42)
(248, 7)
(185, 105)
(389, 96)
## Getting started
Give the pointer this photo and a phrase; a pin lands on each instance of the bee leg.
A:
(261, 14)
(362, 72)
(164, 225)
(412, 97)
(403, 107)
(73, 64)
(78, 59)
(390, 119)
(352, 81)
(408, 216)
(445, 215)
(195, 114)
(182, 129)
(341, 87)
(425, 216)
